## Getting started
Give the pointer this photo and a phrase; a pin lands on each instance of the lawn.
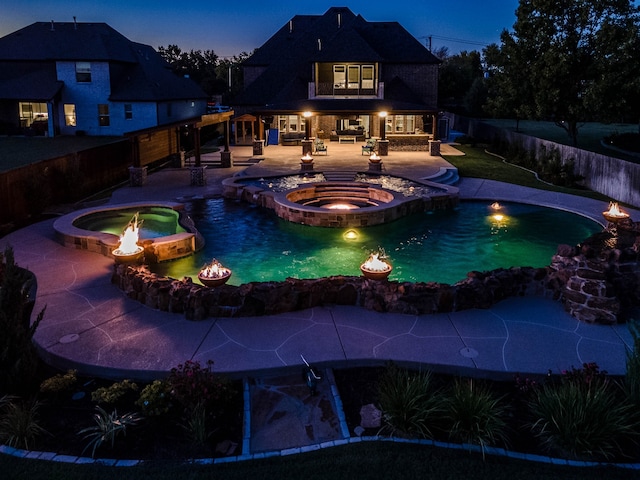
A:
(590, 134)
(362, 461)
(476, 163)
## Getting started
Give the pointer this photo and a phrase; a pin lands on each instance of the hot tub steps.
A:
(340, 176)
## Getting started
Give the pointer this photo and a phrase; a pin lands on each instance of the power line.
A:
(456, 40)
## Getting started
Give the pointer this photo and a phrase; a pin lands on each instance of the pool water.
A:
(439, 246)
(157, 221)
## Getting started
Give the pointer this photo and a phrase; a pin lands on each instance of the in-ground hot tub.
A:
(368, 200)
(166, 233)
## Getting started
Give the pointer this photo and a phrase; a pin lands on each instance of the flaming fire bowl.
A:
(214, 281)
(375, 274)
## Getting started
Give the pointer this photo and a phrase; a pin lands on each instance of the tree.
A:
(456, 76)
(199, 65)
(566, 60)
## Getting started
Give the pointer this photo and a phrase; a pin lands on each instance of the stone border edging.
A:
(245, 456)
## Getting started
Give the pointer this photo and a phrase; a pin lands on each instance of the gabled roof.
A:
(151, 79)
(66, 41)
(138, 72)
(336, 36)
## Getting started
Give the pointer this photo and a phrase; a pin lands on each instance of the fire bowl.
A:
(375, 274)
(614, 218)
(214, 281)
(127, 258)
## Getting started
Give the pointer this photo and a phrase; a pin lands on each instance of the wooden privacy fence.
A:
(26, 191)
(613, 177)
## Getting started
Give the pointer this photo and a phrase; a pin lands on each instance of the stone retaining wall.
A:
(598, 281)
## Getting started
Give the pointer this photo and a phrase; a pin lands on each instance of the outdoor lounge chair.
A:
(319, 147)
(369, 147)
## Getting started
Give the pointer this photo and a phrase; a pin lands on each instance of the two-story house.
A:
(344, 76)
(87, 79)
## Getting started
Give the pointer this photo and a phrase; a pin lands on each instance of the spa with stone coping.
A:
(341, 204)
(180, 238)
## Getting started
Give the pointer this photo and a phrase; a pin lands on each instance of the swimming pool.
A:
(441, 246)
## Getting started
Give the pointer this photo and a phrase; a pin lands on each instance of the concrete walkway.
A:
(90, 325)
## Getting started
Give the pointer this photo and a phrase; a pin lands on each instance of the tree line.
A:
(564, 61)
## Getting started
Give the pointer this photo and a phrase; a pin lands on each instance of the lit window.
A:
(367, 76)
(103, 115)
(69, 114)
(354, 76)
(83, 72)
(128, 111)
(339, 76)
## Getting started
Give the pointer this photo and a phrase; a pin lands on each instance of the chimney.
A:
(75, 24)
(290, 26)
(319, 44)
(52, 29)
(339, 20)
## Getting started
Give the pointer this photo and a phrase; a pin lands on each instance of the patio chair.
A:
(369, 147)
(319, 147)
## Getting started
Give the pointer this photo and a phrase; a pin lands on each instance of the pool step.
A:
(446, 176)
(340, 176)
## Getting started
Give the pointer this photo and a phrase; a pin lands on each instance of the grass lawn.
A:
(18, 151)
(359, 461)
(589, 134)
(476, 163)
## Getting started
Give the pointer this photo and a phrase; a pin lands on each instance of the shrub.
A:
(19, 422)
(155, 398)
(108, 426)
(408, 401)
(114, 393)
(196, 425)
(475, 416)
(632, 377)
(60, 383)
(583, 416)
(192, 384)
(18, 358)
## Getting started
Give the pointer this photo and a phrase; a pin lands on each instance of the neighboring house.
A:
(88, 79)
(343, 71)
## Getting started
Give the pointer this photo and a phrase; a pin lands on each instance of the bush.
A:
(18, 358)
(475, 416)
(583, 416)
(632, 377)
(114, 393)
(19, 422)
(155, 398)
(408, 401)
(192, 385)
(60, 383)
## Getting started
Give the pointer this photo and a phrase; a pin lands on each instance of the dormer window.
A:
(83, 72)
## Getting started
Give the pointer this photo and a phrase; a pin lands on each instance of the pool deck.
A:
(92, 326)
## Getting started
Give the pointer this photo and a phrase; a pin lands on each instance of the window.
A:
(367, 76)
(69, 114)
(354, 76)
(401, 124)
(103, 115)
(31, 112)
(83, 72)
(128, 111)
(339, 76)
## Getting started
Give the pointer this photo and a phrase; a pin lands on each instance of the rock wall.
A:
(196, 302)
(598, 281)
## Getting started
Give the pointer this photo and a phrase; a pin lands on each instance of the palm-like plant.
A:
(108, 426)
(19, 422)
(582, 419)
(410, 404)
(475, 416)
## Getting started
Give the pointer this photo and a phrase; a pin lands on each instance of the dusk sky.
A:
(230, 27)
